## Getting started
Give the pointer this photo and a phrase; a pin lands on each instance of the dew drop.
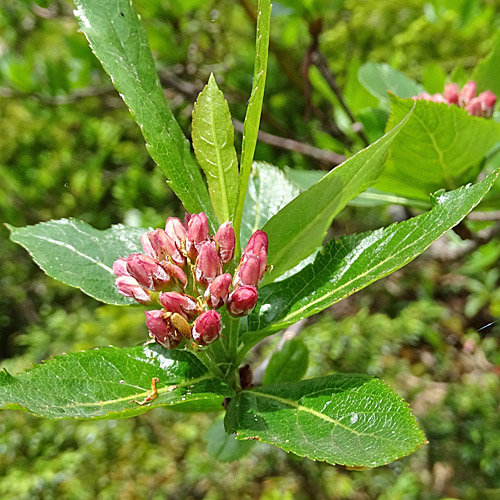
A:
(354, 418)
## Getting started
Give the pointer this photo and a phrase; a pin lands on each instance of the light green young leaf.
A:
(379, 79)
(441, 147)
(351, 420)
(213, 142)
(300, 227)
(254, 107)
(287, 364)
(351, 263)
(75, 253)
(109, 382)
(118, 39)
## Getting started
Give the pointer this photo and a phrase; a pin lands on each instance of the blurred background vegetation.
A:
(69, 148)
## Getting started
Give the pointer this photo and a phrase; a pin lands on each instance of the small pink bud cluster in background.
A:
(482, 105)
(183, 269)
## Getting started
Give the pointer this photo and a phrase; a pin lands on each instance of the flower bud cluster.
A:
(482, 105)
(183, 268)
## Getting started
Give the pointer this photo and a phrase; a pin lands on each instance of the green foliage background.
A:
(68, 147)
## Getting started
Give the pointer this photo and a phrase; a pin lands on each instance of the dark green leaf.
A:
(118, 39)
(223, 446)
(300, 227)
(108, 382)
(269, 191)
(287, 364)
(351, 420)
(75, 253)
(441, 147)
(350, 263)
(213, 142)
(378, 79)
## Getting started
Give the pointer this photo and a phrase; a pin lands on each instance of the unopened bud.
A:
(147, 272)
(488, 101)
(175, 272)
(179, 303)
(451, 93)
(226, 240)
(467, 93)
(197, 233)
(120, 267)
(159, 245)
(257, 246)
(248, 272)
(218, 291)
(177, 231)
(207, 327)
(129, 287)
(474, 107)
(242, 301)
(439, 98)
(161, 329)
(208, 264)
(423, 96)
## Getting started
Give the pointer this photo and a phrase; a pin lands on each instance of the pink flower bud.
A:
(179, 303)
(147, 272)
(176, 231)
(197, 233)
(161, 329)
(248, 272)
(120, 267)
(207, 327)
(242, 301)
(208, 264)
(157, 244)
(467, 93)
(218, 291)
(257, 246)
(226, 240)
(129, 287)
(488, 101)
(438, 98)
(423, 96)
(451, 92)
(175, 272)
(474, 107)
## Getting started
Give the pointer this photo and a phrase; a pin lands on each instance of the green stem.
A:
(206, 359)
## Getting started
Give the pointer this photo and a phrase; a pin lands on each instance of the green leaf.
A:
(440, 147)
(269, 191)
(213, 142)
(118, 39)
(352, 420)
(75, 253)
(486, 72)
(379, 79)
(254, 107)
(107, 383)
(223, 446)
(298, 228)
(288, 364)
(351, 263)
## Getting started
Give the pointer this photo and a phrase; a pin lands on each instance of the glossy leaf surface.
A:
(118, 39)
(75, 253)
(300, 227)
(350, 263)
(213, 142)
(287, 364)
(110, 382)
(351, 420)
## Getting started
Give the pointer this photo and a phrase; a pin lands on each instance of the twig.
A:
(321, 63)
(293, 145)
